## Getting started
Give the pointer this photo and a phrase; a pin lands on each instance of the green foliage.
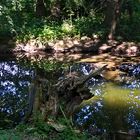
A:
(44, 30)
(17, 19)
(128, 29)
(40, 131)
(129, 24)
(48, 66)
(89, 25)
(9, 134)
(71, 135)
(6, 23)
(12, 15)
(78, 17)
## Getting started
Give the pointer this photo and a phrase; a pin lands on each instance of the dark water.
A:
(14, 87)
(114, 107)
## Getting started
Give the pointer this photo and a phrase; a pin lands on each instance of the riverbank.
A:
(84, 45)
(84, 49)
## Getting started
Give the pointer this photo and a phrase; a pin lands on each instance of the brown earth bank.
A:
(82, 45)
(73, 45)
(84, 49)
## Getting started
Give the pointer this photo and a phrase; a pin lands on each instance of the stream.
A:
(14, 83)
(113, 108)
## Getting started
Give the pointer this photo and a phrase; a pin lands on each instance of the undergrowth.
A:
(44, 30)
(42, 131)
(24, 28)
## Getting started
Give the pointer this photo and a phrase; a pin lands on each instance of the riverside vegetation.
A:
(48, 21)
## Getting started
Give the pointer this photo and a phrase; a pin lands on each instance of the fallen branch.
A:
(82, 80)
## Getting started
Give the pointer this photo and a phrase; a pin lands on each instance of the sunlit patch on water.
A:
(114, 107)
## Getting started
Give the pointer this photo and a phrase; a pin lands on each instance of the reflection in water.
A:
(85, 69)
(14, 82)
(132, 84)
(114, 107)
(132, 69)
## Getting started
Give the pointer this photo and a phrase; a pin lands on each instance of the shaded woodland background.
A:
(57, 19)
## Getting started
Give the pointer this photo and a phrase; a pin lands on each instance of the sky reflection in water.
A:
(114, 107)
(14, 83)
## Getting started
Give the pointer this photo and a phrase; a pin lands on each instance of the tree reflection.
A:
(114, 109)
(14, 82)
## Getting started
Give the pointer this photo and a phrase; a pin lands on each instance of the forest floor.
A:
(84, 49)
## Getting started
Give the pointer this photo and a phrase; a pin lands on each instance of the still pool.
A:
(114, 107)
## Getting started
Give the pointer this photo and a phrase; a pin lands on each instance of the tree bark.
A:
(112, 14)
(56, 10)
(69, 92)
(40, 8)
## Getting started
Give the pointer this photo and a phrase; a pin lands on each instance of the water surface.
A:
(14, 86)
(114, 107)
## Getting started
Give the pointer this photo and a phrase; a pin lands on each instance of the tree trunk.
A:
(56, 10)
(68, 92)
(112, 14)
(40, 8)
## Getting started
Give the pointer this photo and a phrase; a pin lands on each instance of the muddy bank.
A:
(83, 45)
(91, 50)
